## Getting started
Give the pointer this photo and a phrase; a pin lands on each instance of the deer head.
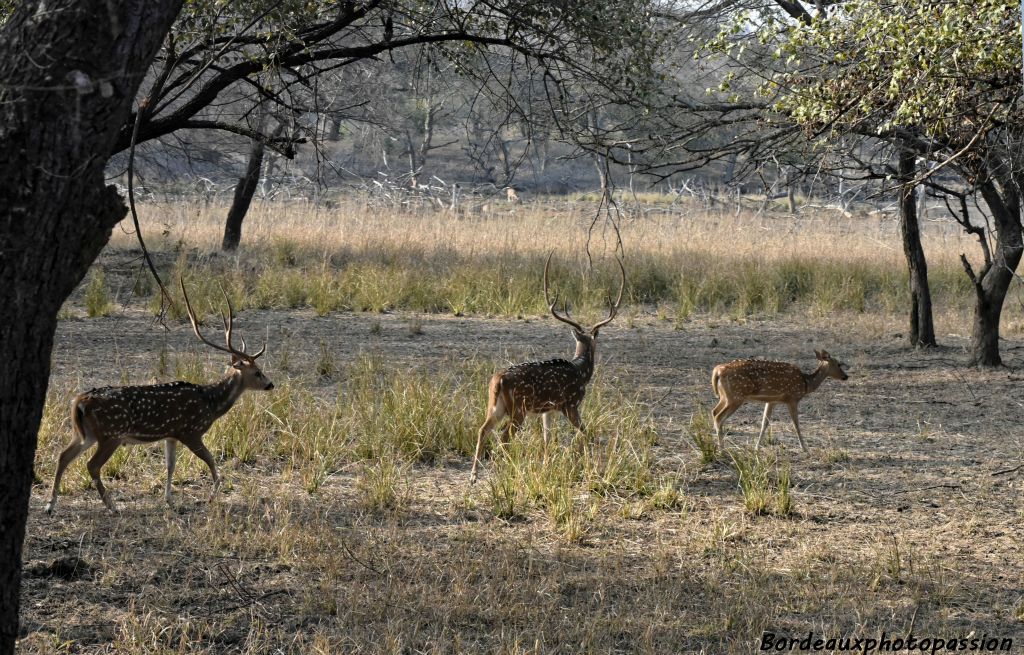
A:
(585, 337)
(242, 364)
(832, 368)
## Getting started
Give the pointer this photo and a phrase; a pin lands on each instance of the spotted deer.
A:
(770, 383)
(553, 385)
(173, 412)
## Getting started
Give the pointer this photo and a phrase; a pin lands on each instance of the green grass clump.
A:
(702, 434)
(571, 478)
(764, 482)
(382, 485)
(416, 415)
(97, 297)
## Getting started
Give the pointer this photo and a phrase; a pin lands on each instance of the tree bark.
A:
(922, 327)
(70, 71)
(244, 191)
(992, 285)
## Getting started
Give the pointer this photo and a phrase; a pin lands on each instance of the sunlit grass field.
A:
(347, 522)
(353, 256)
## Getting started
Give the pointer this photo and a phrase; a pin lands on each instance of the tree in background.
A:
(942, 83)
(889, 95)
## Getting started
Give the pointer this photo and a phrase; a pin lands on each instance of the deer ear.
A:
(823, 355)
(817, 353)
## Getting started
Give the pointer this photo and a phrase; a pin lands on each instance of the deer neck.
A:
(814, 380)
(224, 394)
(584, 361)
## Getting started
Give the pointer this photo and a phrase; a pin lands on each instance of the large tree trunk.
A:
(70, 71)
(244, 191)
(922, 328)
(993, 283)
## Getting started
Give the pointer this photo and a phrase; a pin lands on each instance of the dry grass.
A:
(347, 523)
(355, 256)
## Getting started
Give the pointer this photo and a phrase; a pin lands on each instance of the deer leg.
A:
(494, 414)
(768, 407)
(796, 424)
(715, 413)
(722, 402)
(200, 451)
(69, 454)
(96, 462)
(545, 421)
(573, 415)
(484, 429)
(515, 422)
(723, 414)
(171, 455)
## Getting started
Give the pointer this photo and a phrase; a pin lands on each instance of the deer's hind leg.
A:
(495, 413)
(515, 421)
(78, 445)
(96, 462)
(724, 411)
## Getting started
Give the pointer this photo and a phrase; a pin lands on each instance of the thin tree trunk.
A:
(922, 327)
(600, 161)
(61, 117)
(244, 191)
(993, 283)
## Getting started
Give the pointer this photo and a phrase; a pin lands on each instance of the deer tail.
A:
(78, 418)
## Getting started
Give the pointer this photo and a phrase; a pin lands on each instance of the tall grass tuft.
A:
(763, 482)
(97, 298)
(570, 478)
(416, 415)
(701, 431)
(383, 485)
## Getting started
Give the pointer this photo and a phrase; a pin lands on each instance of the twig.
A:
(143, 106)
(1005, 471)
(934, 486)
(913, 620)
(243, 594)
(355, 559)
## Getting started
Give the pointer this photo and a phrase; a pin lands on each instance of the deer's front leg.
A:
(545, 421)
(171, 454)
(794, 412)
(573, 415)
(764, 423)
(199, 449)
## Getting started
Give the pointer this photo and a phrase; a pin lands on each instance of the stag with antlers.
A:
(179, 411)
(553, 385)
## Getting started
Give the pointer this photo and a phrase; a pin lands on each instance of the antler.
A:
(618, 301)
(552, 303)
(228, 324)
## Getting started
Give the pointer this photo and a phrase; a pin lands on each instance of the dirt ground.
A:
(900, 525)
